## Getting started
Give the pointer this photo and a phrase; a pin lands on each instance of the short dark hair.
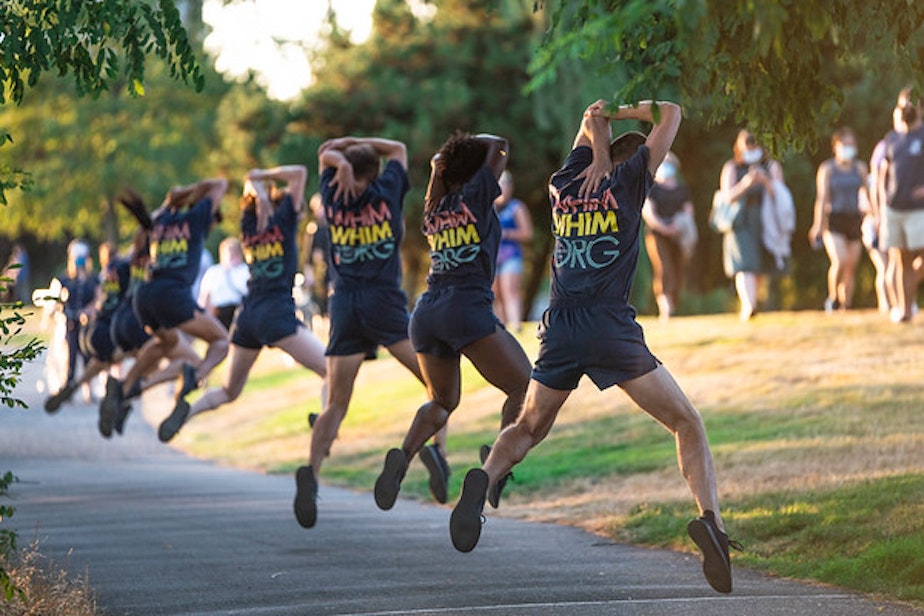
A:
(364, 160)
(463, 156)
(625, 145)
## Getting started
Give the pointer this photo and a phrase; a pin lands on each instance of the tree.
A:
(81, 152)
(100, 44)
(780, 67)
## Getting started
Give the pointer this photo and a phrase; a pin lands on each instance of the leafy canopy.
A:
(99, 42)
(779, 67)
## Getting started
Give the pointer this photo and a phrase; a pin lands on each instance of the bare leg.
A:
(853, 251)
(513, 443)
(404, 353)
(207, 327)
(163, 375)
(241, 361)
(500, 359)
(746, 285)
(443, 380)
(878, 259)
(659, 395)
(512, 299)
(341, 374)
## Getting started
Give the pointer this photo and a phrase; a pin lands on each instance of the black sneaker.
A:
(466, 519)
(170, 426)
(109, 406)
(388, 484)
(54, 402)
(495, 493)
(714, 545)
(189, 381)
(118, 424)
(306, 496)
(135, 391)
(438, 468)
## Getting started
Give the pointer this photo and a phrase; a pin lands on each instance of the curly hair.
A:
(463, 155)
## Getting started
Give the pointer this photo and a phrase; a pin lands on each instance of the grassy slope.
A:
(814, 422)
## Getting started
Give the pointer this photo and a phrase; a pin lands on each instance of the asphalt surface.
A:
(156, 532)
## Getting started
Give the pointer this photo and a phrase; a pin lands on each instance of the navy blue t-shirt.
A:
(464, 233)
(597, 238)
(271, 254)
(177, 240)
(80, 294)
(139, 263)
(115, 281)
(365, 235)
(905, 154)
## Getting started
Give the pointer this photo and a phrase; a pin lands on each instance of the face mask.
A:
(751, 157)
(666, 171)
(846, 152)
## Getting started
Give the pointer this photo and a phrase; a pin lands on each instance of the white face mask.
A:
(846, 152)
(665, 172)
(751, 157)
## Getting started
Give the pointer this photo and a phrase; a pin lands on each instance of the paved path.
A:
(159, 533)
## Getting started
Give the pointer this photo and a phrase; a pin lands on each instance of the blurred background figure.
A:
(748, 175)
(902, 203)
(841, 199)
(670, 234)
(516, 230)
(78, 292)
(19, 290)
(316, 270)
(224, 284)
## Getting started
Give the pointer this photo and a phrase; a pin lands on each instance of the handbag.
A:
(724, 215)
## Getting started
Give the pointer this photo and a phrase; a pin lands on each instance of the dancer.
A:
(455, 317)
(590, 328)
(841, 201)
(269, 224)
(164, 304)
(95, 340)
(368, 307)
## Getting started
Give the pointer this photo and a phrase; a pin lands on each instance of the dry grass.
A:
(49, 590)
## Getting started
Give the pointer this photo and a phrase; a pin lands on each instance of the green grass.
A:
(868, 536)
(815, 425)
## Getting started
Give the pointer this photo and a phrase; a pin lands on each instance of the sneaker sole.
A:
(438, 487)
(170, 426)
(715, 566)
(388, 484)
(465, 521)
(306, 489)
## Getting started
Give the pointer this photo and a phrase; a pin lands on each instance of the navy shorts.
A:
(164, 304)
(598, 339)
(363, 319)
(448, 319)
(264, 320)
(126, 331)
(97, 339)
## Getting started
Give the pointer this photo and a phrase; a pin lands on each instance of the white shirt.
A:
(224, 286)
